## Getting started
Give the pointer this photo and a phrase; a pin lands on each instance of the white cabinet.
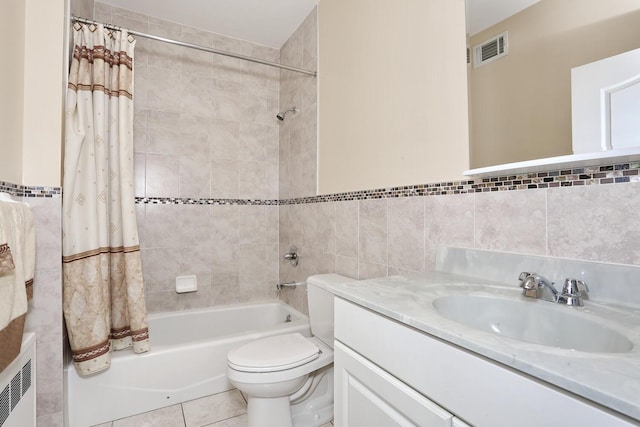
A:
(366, 395)
(390, 374)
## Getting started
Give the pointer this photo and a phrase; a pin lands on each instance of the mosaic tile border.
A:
(591, 175)
(618, 173)
(189, 201)
(27, 191)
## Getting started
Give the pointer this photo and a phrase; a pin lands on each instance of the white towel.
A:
(17, 259)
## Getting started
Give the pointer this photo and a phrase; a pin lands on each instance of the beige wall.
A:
(12, 27)
(392, 93)
(43, 101)
(521, 104)
(31, 100)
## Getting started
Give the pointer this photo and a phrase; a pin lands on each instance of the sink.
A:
(533, 321)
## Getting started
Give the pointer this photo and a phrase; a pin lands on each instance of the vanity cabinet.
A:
(369, 396)
(388, 373)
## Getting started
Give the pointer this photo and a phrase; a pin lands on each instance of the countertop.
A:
(609, 379)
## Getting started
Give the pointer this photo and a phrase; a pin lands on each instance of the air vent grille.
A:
(14, 390)
(490, 50)
(5, 404)
(26, 377)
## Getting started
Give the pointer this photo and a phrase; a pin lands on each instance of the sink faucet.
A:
(533, 286)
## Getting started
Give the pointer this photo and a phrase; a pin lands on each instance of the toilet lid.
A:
(272, 354)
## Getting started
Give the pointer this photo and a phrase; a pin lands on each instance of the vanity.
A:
(453, 349)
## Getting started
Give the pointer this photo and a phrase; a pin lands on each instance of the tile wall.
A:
(298, 148)
(45, 308)
(206, 142)
(378, 237)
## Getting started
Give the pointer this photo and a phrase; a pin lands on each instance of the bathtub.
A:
(188, 360)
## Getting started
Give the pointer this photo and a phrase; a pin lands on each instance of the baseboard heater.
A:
(17, 387)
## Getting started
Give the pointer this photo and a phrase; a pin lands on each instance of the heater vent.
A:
(14, 391)
(5, 404)
(490, 50)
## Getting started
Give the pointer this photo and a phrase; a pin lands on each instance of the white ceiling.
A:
(482, 14)
(265, 22)
(271, 22)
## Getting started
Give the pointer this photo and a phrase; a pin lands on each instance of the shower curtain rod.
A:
(197, 47)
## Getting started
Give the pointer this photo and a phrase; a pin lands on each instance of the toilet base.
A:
(312, 410)
(317, 409)
(264, 411)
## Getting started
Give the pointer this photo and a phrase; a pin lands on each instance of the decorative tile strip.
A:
(596, 175)
(27, 191)
(189, 201)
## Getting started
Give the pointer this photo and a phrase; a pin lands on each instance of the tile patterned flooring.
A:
(228, 409)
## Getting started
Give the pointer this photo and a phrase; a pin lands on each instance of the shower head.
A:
(280, 116)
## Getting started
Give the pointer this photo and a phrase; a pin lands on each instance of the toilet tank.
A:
(320, 301)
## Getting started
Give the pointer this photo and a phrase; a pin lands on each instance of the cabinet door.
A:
(366, 395)
(457, 422)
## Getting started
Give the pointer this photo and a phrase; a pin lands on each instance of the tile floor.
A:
(228, 409)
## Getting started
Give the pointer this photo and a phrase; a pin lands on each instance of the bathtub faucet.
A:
(292, 256)
(281, 286)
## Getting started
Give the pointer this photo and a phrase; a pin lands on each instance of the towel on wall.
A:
(17, 265)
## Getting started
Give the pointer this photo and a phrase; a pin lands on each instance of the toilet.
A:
(288, 379)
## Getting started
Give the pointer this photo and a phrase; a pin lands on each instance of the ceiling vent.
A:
(490, 50)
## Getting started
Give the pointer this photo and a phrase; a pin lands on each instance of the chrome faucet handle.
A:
(528, 284)
(523, 276)
(574, 287)
(292, 255)
(572, 292)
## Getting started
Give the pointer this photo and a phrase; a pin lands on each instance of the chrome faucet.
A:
(572, 292)
(533, 286)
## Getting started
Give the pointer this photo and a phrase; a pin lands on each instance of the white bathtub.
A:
(188, 360)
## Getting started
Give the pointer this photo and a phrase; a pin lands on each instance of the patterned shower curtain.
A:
(104, 304)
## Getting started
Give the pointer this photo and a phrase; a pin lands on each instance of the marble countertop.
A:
(609, 379)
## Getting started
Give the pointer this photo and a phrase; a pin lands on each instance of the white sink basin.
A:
(533, 321)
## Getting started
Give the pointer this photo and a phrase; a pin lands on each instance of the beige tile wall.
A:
(298, 132)
(205, 127)
(45, 309)
(394, 236)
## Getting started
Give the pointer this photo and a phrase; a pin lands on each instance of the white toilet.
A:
(289, 378)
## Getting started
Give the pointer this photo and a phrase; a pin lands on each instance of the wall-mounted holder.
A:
(186, 284)
(292, 256)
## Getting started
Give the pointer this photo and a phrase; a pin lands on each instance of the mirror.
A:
(520, 103)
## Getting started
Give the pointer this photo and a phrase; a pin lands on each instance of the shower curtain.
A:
(104, 304)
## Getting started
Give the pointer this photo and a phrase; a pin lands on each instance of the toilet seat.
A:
(271, 354)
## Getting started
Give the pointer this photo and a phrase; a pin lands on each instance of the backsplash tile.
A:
(447, 220)
(373, 231)
(598, 224)
(406, 241)
(511, 221)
